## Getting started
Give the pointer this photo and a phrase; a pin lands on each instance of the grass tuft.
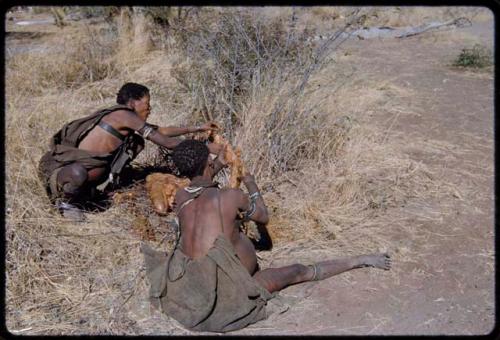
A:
(477, 56)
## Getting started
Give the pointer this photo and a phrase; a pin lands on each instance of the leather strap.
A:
(108, 128)
(194, 192)
(186, 202)
(220, 213)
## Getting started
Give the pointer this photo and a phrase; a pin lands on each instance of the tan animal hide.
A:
(162, 188)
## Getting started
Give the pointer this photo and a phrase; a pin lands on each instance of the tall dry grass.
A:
(324, 173)
(311, 159)
(253, 76)
(67, 61)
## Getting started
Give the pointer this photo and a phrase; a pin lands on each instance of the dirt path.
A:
(447, 285)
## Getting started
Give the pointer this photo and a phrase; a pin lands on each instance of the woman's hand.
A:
(247, 178)
(209, 126)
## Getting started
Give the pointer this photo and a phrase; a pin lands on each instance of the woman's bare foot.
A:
(381, 260)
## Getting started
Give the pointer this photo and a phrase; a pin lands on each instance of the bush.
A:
(476, 57)
(220, 64)
(251, 73)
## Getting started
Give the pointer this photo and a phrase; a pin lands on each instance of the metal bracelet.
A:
(146, 130)
(253, 205)
(253, 208)
(255, 195)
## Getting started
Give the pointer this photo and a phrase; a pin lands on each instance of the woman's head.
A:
(135, 96)
(190, 157)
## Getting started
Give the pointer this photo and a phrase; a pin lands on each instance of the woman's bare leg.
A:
(275, 279)
(71, 178)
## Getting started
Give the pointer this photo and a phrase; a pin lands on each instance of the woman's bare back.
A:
(201, 223)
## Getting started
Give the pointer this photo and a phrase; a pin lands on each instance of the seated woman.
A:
(211, 281)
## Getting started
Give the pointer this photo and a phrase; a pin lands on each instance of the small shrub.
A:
(476, 57)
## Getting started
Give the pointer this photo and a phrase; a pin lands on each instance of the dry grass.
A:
(66, 62)
(325, 173)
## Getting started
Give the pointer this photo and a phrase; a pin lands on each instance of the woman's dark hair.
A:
(190, 157)
(131, 91)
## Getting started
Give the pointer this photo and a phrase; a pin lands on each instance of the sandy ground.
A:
(442, 281)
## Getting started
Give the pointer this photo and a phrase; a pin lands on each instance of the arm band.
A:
(254, 196)
(250, 212)
(146, 130)
(253, 206)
